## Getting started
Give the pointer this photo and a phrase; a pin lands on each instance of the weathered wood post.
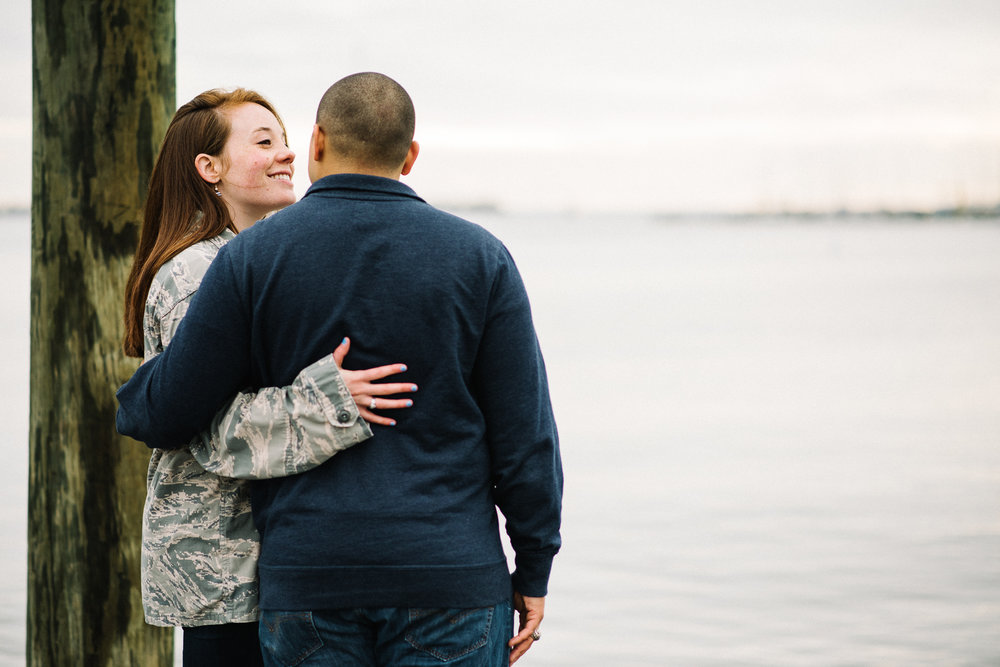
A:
(103, 77)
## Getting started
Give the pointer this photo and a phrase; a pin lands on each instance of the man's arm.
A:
(526, 466)
(273, 432)
(171, 398)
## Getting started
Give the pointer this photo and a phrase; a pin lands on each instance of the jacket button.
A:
(343, 416)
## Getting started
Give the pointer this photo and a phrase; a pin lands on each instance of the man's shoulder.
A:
(449, 222)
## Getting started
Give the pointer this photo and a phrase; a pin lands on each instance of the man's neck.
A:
(333, 167)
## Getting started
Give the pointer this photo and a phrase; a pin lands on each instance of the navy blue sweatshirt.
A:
(409, 517)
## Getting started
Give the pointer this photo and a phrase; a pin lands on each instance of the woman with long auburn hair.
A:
(223, 165)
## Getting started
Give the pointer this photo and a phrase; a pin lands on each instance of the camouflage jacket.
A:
(199, 544)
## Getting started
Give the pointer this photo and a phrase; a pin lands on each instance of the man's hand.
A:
(529, 612)
(365, 392)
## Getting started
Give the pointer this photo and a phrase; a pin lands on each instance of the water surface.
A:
(781, 439)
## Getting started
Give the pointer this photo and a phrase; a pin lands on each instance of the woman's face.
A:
(257, 165)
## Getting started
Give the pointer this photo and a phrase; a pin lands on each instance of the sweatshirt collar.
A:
(360, 185)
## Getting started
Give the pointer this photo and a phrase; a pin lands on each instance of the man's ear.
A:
(411, 157)
(208, 167)
(317, 144)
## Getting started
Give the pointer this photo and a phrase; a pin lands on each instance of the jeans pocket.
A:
(448, 634)
(288, 637)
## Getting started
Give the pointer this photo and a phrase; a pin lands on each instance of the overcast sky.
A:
(634, 105)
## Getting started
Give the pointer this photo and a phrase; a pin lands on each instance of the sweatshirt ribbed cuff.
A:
(531, 575)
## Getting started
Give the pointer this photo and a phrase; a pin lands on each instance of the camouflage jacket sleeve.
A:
(275, 431)
(283, 431)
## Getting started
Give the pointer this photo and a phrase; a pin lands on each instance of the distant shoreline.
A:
(974, 212)
(843, 214)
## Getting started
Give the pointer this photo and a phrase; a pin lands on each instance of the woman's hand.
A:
(366, 394)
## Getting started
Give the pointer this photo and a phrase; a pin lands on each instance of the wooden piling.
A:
(103, 77)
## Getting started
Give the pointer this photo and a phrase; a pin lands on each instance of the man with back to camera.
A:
(387, 554)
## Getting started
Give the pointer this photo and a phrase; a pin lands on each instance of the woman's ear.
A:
(208, 167)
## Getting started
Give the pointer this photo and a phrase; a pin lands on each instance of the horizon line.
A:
(981, 211)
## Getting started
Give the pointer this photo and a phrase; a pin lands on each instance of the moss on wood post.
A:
(103, 93)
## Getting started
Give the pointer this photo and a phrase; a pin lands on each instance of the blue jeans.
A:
(387, 636)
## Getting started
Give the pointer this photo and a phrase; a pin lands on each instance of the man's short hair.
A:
(368, 117)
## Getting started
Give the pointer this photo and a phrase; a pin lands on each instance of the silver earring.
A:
(217, 193)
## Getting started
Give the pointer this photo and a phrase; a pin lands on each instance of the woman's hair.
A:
(181, 207)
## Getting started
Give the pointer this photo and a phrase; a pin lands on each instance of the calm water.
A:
(781, 439)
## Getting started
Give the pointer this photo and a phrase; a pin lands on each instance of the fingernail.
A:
(413, 388)
(402, 367)
(343, 341)
(392, 423)
(409, 404)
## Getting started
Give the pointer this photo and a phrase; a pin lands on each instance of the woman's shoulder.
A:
(180, 276)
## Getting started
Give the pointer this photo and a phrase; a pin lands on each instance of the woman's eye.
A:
(264, 142)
